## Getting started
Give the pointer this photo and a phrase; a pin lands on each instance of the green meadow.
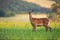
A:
(23, 31)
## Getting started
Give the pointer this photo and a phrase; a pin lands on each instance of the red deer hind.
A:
(39, 22)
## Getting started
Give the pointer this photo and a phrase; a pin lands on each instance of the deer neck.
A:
(30, 16)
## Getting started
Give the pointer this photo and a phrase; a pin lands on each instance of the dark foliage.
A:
(2, 13)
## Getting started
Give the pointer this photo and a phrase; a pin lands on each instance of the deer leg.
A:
(46, 27)
(34, 27)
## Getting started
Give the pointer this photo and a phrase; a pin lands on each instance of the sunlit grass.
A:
(14, 24)
(23, 31)
(10, 24)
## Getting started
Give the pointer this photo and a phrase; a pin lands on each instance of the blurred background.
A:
(10, 8)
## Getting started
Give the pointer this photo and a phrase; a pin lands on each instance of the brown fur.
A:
(39, 22)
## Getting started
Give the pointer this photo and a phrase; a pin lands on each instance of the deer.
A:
(35, 22)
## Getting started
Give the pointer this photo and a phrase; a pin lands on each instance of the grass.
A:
(26, 34)
(23, 31)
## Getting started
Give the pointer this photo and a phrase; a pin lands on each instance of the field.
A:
(22, 30)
